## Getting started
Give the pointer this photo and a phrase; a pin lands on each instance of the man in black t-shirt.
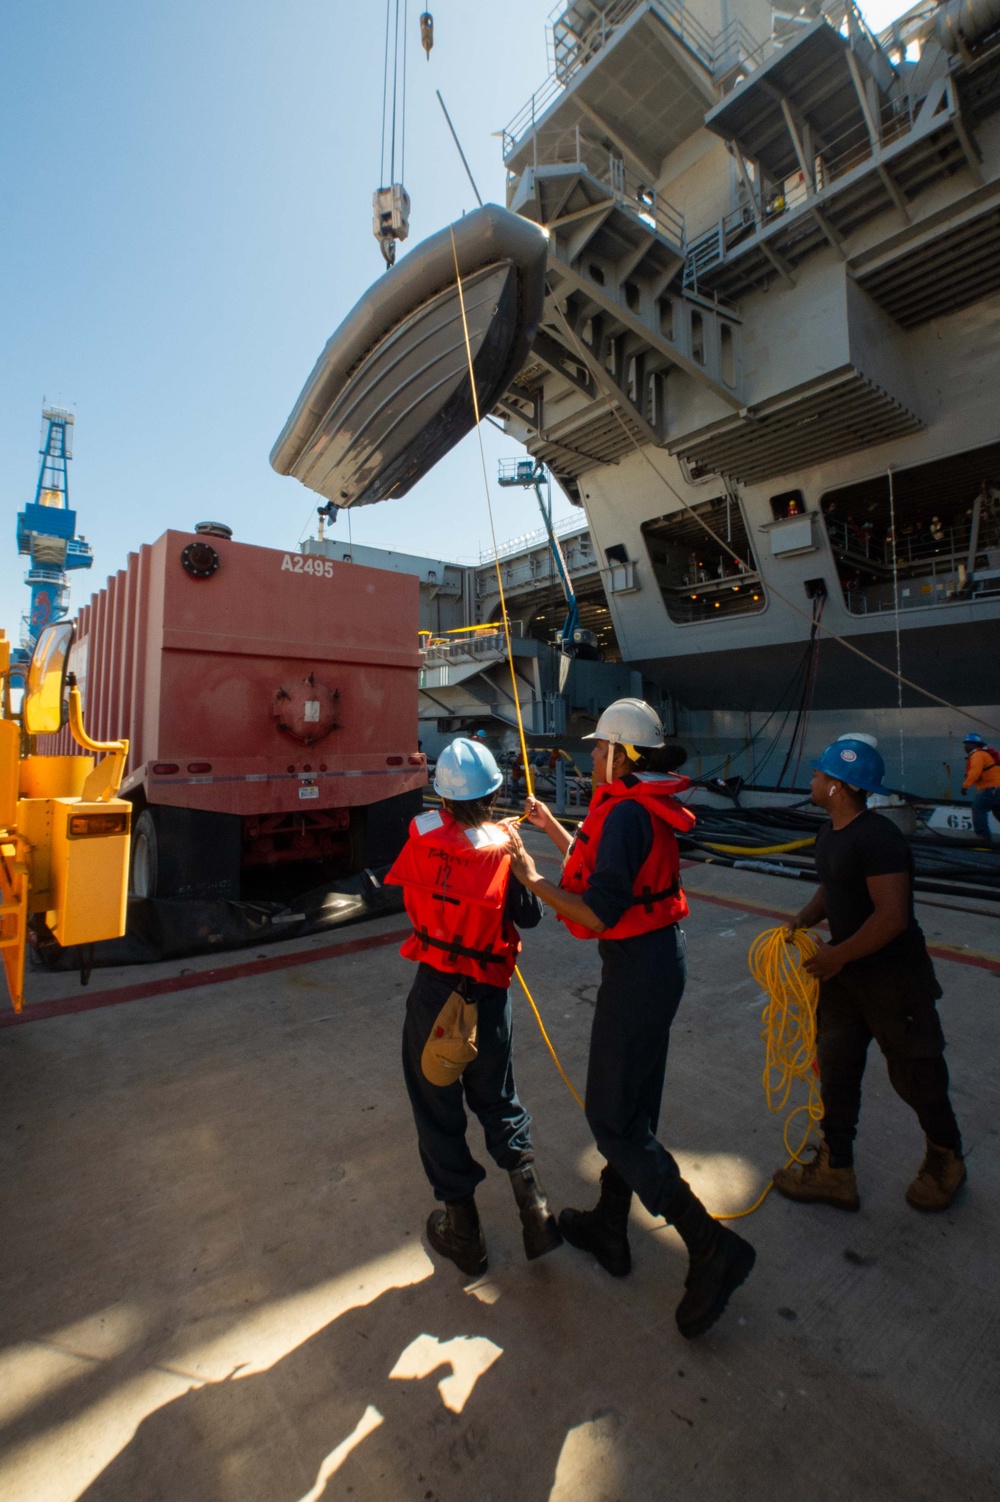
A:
(876, 981)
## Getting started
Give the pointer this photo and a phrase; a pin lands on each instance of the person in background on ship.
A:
(876, 981)
(982, 779)
(465, 909)
(621, 885)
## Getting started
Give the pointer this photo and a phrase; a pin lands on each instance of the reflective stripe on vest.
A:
(454, 881)
(657, 901)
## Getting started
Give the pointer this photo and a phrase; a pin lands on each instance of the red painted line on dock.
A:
(65, 1006)
(972, 957)
(82, 1002)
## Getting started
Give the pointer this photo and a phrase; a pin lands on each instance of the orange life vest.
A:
(657, 897)
(454, 881)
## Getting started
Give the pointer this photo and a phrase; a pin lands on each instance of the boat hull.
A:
(391, 393)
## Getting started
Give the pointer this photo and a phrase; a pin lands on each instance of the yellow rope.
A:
(761, 849)
(489, 509)
(789, 1035)
(789, 1032)
(548, 1041)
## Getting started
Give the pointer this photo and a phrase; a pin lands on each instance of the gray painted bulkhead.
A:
(825, 377)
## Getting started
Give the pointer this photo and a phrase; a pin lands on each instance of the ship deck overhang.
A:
(938, 266)
(645, 91)
(811, 79)
(733, 259)
(825, 419)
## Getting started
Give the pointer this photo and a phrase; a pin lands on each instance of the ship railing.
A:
(699, 597)
(861, 543)
(625, 186)
(477, 646)
(528, 540)
(840, 156)
(577, 33)
(651, 206)
(941, 587)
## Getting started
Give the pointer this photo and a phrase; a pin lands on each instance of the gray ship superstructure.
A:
(774, 307)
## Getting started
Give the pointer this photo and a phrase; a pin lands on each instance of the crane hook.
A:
(427, 32)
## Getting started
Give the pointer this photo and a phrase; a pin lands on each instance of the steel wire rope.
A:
(395, 92)
(641, 449)
(758, 766)
(895, 601)
(385, 94)
(402, 128)
(797, 727)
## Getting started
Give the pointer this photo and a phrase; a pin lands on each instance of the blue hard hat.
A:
(853, 762)
(466, 769)
(973, 739)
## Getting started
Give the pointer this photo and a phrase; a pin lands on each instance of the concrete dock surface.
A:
(216, 1285)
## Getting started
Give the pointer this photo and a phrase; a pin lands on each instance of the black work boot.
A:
(539, 1231)
(719, 1262)
(455, 1232)
(603, 1231)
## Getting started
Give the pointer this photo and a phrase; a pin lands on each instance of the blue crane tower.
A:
(46, 532)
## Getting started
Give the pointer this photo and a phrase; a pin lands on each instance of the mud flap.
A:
(170, 928)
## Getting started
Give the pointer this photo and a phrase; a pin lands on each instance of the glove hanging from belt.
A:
(451, 1045)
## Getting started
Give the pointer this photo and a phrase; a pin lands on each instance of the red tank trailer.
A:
(270, 703)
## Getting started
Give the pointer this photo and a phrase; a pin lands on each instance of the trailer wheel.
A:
(144, 867)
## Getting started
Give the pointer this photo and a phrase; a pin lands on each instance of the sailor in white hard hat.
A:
(466, 909)
(621, 885)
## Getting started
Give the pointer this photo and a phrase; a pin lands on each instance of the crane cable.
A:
(392, 29)
(789, 1018)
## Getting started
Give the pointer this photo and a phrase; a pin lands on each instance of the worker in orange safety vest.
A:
(621, 885)
(465, 909)
(982, 780)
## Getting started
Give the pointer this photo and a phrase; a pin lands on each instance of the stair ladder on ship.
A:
(616, 318)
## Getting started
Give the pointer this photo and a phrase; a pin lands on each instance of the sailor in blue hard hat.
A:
(856, 761)
(876, 981)
(466, 908)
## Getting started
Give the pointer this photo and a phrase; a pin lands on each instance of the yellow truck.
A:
(64, 832)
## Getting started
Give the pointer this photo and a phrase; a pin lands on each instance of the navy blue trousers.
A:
(642, 982)
(486, 1087)
(984, 803)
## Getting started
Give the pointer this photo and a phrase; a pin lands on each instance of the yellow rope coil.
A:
(777, 964)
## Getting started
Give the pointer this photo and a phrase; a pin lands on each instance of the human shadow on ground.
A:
(267, 1436)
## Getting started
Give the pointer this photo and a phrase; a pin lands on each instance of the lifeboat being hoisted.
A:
(390, 394)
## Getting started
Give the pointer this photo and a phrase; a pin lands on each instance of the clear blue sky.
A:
(185, 190)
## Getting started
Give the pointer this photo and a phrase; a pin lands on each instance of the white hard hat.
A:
(858, 735)
(629, 722)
